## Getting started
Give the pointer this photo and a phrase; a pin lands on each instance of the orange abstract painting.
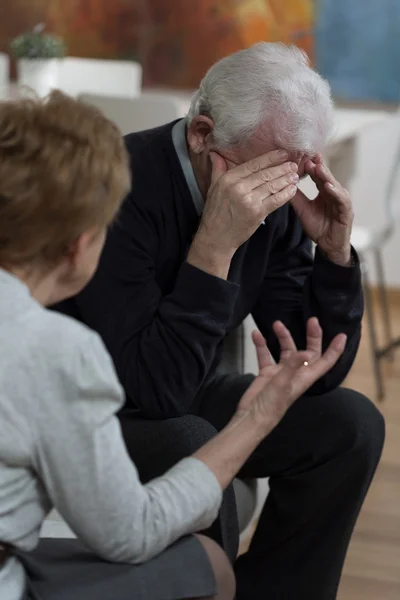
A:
(175, 40)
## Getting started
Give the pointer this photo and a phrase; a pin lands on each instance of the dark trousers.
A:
(320, 460)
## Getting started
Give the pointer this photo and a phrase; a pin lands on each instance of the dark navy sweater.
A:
(164, 321)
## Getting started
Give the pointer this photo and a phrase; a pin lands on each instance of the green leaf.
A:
(36, 44)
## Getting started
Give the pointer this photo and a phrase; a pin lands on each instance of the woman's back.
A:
(60, 445)
(41, 354)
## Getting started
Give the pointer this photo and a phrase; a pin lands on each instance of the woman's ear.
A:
(79, 246)
(199, 133)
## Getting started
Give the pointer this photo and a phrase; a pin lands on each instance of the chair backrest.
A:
(94, 76)
(137, 114)
(4, 69)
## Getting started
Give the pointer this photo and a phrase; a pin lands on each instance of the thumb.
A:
(219, 166)
(300, 203)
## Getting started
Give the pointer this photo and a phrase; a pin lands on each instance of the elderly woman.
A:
(63, 174)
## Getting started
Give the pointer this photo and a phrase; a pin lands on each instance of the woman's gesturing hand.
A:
(269, 397)
(278, 385)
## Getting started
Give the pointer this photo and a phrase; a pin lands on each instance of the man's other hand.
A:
(328, 219)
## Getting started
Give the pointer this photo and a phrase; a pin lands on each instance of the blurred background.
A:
(140, 60)
(355, 44)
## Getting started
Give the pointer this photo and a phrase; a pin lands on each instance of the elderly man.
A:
(215, 229)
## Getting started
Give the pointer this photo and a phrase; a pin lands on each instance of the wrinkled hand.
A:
(241, 198)
(278, 385)
(328, 219)
(267, 367)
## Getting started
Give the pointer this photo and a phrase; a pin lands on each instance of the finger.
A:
(310, 166)
(275, 201)
(310, 169)
(264, 161)
(272, 174)
(325, 175)
(318, 160)
(329, 357)
(284, 336)
(264, 191)
(340, 194)
(300, 203)
(314, 337)
(219, 166)
(264, 357)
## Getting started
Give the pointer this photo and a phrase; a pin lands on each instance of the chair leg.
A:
(383, 297)
(372, 332)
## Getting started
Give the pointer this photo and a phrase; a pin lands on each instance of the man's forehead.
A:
(249, 151)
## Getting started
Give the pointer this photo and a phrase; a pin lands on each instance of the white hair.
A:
(268, 84)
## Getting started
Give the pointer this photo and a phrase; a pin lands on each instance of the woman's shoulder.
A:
(56, 332)
(76, 364)
(59, 342)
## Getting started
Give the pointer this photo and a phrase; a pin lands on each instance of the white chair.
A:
(370, 242)
(4, 70)
(136, 114)
(107, 77)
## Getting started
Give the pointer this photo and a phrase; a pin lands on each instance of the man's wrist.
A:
(206, 256)
(342, 258)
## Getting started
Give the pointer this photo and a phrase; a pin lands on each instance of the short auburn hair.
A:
(63, 170)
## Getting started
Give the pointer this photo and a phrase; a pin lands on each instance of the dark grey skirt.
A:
(61, 569)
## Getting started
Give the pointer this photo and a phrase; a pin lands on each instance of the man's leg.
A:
(320, 459)
(155, 446)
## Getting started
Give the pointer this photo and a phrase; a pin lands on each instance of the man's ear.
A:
(199, 132)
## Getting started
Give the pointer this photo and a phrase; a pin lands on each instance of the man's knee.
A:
(358, 426)
(189, 433)
(155, 446)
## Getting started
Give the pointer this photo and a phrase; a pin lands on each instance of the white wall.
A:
(374, 156)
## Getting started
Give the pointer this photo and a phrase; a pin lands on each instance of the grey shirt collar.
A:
(179, 141)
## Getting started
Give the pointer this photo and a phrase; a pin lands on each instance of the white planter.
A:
(41, 75)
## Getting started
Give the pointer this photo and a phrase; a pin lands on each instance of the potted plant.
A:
(38, 56)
